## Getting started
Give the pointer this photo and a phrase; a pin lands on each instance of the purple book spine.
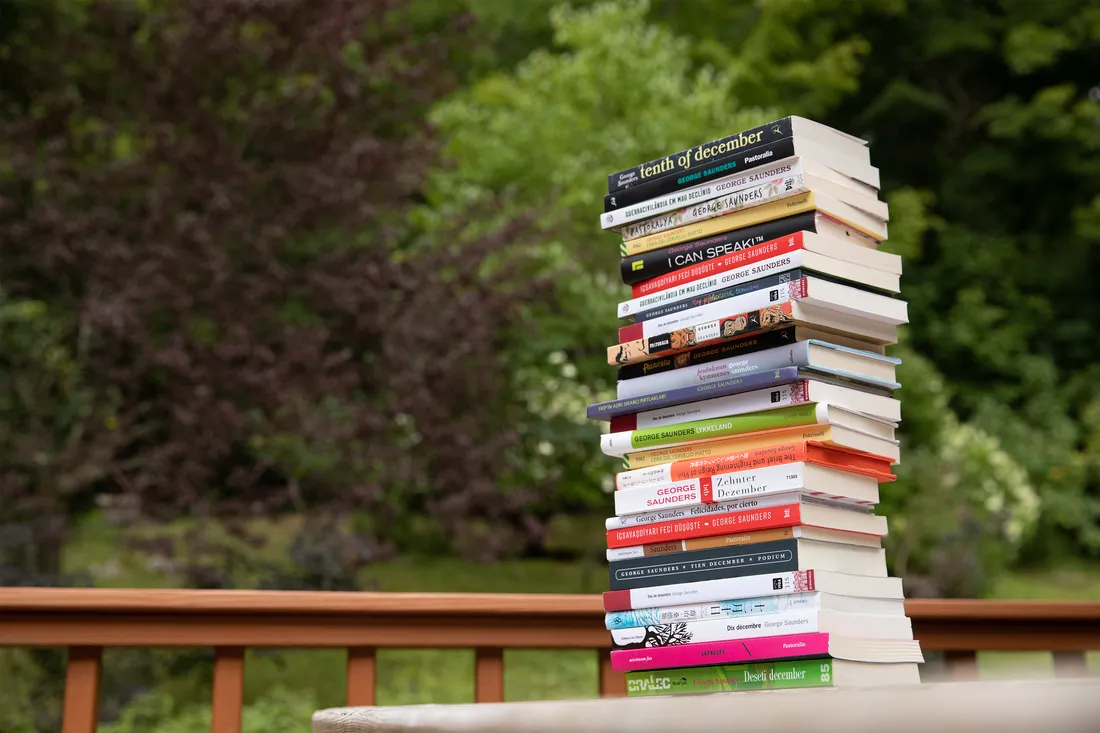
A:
(693, 393)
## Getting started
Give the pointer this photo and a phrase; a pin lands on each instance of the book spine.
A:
(740, 161)
(752, 300)
(729, 222)
(777, 187)
(784, 515)
(703, 632)
(705, 333)
(715, 489)
(701, 543)
(651, 265)
(617, 444)
(747, 460)
(732, 609)
(728, 184)
(705, 154)
(701, 510)
(694, 655)
(711, 290)
(779, 675)
(704, 355)
(784, 395)
(733, 262)
(713, 448)
(721, 388)
(714, 564)
(709, 591)
(710, 371)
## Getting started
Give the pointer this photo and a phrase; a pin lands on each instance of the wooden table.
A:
(1038, 706)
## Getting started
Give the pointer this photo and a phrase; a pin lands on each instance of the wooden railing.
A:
(87, 620)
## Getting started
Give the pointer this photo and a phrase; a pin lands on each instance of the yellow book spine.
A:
(725, 446)
(737, 220)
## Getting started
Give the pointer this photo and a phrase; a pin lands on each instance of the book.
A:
(795, 512)
(781, 395)
(713, 363)
(861, 625)
(734, 325)
(855, 649)
(808, 290)
(696, 511)
(727, 387)
(836, 145)
(664, 304)
(777, 675)
(619, 444)
(740, 560)
(742, 538)
(709, 591)
(822, 482)
(833, 436)
(846, 214)
(858, 248)
(756, 458)
(866, 212)
(683, 203)
(747, 607)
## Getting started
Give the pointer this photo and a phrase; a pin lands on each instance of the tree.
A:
(210, 201)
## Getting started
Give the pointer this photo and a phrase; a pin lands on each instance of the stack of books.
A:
(754, 418)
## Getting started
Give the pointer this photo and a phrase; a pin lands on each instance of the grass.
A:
(446, 676)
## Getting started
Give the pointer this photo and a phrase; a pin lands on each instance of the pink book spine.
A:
(721, 652)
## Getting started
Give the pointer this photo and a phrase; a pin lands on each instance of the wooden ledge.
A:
(1004, 707)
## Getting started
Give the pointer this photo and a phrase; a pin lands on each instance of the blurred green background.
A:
(311, 294)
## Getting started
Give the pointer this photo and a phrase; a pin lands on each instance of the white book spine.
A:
(705, 591)
(775, 358)
(790, 184)
(783, 395)
(700, 510)
(794, 622)
(715, 489)
(764, 605)
(702, 286)
(722, 309)
(697, 194)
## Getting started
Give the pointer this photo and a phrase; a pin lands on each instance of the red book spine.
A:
(787, 515)
(763, 251)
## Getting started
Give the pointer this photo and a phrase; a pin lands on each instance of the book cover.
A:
(778, 675)
(712, 630)
(742, 650)
(710, 564)
(732, 609)
(720, 388)
(618, 444)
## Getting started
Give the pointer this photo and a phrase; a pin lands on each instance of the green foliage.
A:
(279, 710)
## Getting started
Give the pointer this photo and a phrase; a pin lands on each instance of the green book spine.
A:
(783, 675)
(720, 427)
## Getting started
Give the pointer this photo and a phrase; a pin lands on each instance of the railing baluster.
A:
(361, 676)
(228, 696)
(962, 664)
(1070, 664)
(612, 683)
(489, 675)
(82, 675)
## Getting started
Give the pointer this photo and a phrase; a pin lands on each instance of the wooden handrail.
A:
(86, 620)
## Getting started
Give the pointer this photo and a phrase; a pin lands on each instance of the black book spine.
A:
(767, 340)
(648, 265)
(732, 164)
(731, 292)
(704, 154)
(777, 556)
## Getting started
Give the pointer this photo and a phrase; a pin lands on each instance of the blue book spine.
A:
(693, 393)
